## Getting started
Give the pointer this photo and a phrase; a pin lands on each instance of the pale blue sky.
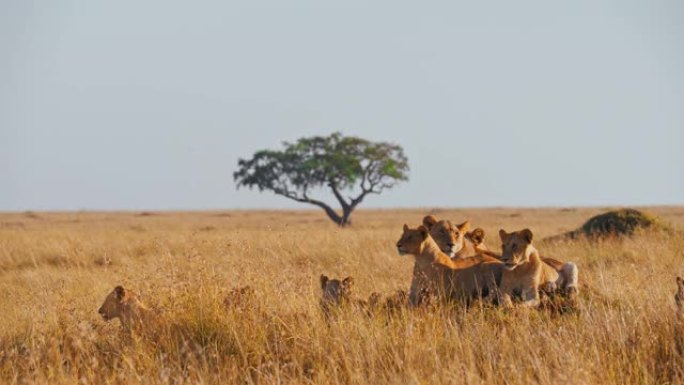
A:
(148, 104)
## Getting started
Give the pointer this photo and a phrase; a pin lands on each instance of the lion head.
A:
(411, 240)
(516, 247)
(449, 238)
(336, 291)
(113, 306)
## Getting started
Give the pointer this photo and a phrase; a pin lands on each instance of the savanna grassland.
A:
(56, 269)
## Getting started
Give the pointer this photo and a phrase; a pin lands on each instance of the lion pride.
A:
(435, 272)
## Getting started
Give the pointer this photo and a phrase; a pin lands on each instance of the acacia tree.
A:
(344, 164)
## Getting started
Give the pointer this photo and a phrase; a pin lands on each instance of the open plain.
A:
(56, 269)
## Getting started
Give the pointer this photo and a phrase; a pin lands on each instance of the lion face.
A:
(515, 247)
(335, 290)
(449, 238)
(412, 240)
(112, 306)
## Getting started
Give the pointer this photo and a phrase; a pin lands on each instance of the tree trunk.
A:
(343, 221)
(346, 221)
(334, 216)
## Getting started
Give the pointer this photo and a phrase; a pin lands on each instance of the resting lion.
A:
(338, 293)
(448, 278)
(568, 270)
(335, 292)
(455, 240)
(124, 305)
(525, 273)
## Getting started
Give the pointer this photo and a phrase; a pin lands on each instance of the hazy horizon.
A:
(316, 209)
(148, 106)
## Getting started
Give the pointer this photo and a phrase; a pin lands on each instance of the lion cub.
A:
(335, 292)
(124, 305)
(338, 293)
(525, 273)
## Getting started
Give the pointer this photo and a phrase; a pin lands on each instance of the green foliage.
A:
(335, 161)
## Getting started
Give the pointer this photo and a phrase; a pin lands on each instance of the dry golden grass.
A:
(55, 270)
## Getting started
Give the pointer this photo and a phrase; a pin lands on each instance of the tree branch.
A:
(340, 198)
(372, 183)
(304, 199)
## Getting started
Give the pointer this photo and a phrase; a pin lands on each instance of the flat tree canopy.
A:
(341, 163)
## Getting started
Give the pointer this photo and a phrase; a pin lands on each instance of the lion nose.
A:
(450, 244)
(398, 244)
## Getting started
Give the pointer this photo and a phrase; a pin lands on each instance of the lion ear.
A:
(406, 228)
(348, 282)
(503, 234)
(527, 234)
(463, 227)
(477, 236)
(680, 281)
(120, 292)
(423, 231)
(429, 221)
(324, 280)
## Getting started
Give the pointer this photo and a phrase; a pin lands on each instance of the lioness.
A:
(455, 240)
(448, 278)
(124, 305)
(525, 273)
(567, 270)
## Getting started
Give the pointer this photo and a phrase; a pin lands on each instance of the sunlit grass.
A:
(55, 270)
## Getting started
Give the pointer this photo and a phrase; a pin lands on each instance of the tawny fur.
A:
(568, 271)
(454, 240)
(338, 293)
(125, 305)
(447, 278)
(525, 273)
(335, 292)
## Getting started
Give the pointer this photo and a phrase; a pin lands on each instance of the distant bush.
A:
(623, 222)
